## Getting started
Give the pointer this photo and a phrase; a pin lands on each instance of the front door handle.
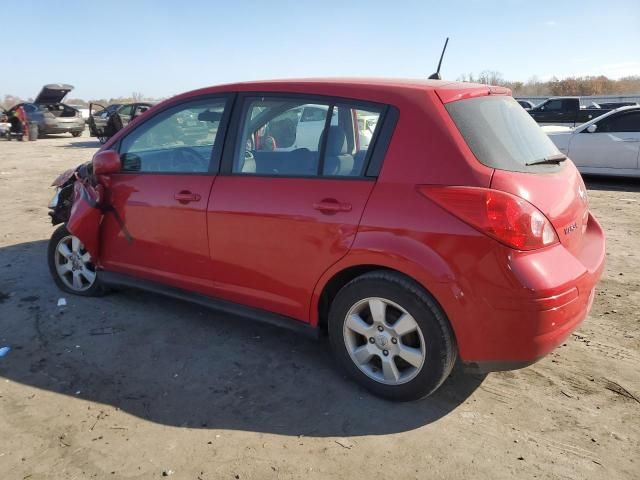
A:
(185, 196)
(331, 205)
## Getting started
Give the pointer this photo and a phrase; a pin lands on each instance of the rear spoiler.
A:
(455, 92)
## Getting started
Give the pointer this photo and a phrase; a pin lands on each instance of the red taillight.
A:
(507, 218)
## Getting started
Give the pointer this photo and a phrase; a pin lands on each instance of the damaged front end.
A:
(78, 203)
(60, 204)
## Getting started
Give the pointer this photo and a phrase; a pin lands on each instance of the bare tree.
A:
(490, 77)
(583, 86)
(9, 101)
(466, 77)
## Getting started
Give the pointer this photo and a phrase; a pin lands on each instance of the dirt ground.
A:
(133, 385)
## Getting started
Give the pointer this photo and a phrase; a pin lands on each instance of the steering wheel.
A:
(189, 160)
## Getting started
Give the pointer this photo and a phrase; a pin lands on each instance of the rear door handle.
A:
(185, 196)
(331, 205)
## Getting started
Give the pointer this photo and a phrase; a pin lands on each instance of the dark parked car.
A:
(104, 122)
(458, 231)
(564, 111)
(50, 114)
(526, 104)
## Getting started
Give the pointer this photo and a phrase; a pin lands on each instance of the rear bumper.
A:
(551, 292)
(557, 324)
(64, 128)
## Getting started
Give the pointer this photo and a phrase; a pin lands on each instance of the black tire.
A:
(76, 134)
(440, 346)
(95, 290)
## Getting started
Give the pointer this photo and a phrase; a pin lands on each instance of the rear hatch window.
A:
(501, 134)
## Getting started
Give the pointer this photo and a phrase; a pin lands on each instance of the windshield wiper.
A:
(557, 158)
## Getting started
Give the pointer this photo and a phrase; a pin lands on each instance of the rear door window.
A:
(501, 134)
(297, 137)
(625, 122)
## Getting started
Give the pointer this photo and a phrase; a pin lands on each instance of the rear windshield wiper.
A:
(557, 158)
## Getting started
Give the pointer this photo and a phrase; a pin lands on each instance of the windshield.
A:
(500, 133)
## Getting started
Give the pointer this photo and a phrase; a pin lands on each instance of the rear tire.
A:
(391, 336)
(76, 134)
(70, 265)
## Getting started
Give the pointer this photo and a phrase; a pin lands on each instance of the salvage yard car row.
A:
(51, 116)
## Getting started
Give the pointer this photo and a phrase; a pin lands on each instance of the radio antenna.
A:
(436, 76)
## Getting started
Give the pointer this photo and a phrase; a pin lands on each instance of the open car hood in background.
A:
(53, 93)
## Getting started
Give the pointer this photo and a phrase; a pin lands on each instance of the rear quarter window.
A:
(501, 134)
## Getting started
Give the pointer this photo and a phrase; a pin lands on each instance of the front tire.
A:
(391, 336)
(70, 265)
(76, 134)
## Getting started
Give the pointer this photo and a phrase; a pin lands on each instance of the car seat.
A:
(337, 160)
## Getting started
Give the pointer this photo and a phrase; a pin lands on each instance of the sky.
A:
(161, 48)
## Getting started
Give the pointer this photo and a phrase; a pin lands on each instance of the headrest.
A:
(337, 141)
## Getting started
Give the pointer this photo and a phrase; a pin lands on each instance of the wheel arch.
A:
(428, 270)
(333, 286)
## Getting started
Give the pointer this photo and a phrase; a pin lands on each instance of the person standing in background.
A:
(22, 116)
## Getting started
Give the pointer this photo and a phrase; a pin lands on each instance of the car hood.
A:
(53, 93)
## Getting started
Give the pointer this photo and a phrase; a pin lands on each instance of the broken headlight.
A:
(56, 197)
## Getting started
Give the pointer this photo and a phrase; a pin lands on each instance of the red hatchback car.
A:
(416, 221)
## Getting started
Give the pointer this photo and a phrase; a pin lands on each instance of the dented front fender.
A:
(86, 215)
(63, 178)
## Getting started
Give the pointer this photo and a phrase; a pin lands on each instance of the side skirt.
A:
(256, 314)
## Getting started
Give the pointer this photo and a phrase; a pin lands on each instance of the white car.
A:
(606, 145)
(4, 128)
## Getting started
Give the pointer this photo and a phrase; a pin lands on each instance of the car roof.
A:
(133, 103)
(397, 83)
(358, 87)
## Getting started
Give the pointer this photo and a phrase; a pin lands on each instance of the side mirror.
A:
(592, 128)
(541, 107)
(106, 162)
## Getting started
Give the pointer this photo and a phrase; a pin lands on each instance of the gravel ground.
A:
(133, 385)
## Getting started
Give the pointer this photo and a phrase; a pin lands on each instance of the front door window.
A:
(179, 140)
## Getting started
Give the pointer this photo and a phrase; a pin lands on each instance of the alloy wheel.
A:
(384, 341)
(73, 264)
